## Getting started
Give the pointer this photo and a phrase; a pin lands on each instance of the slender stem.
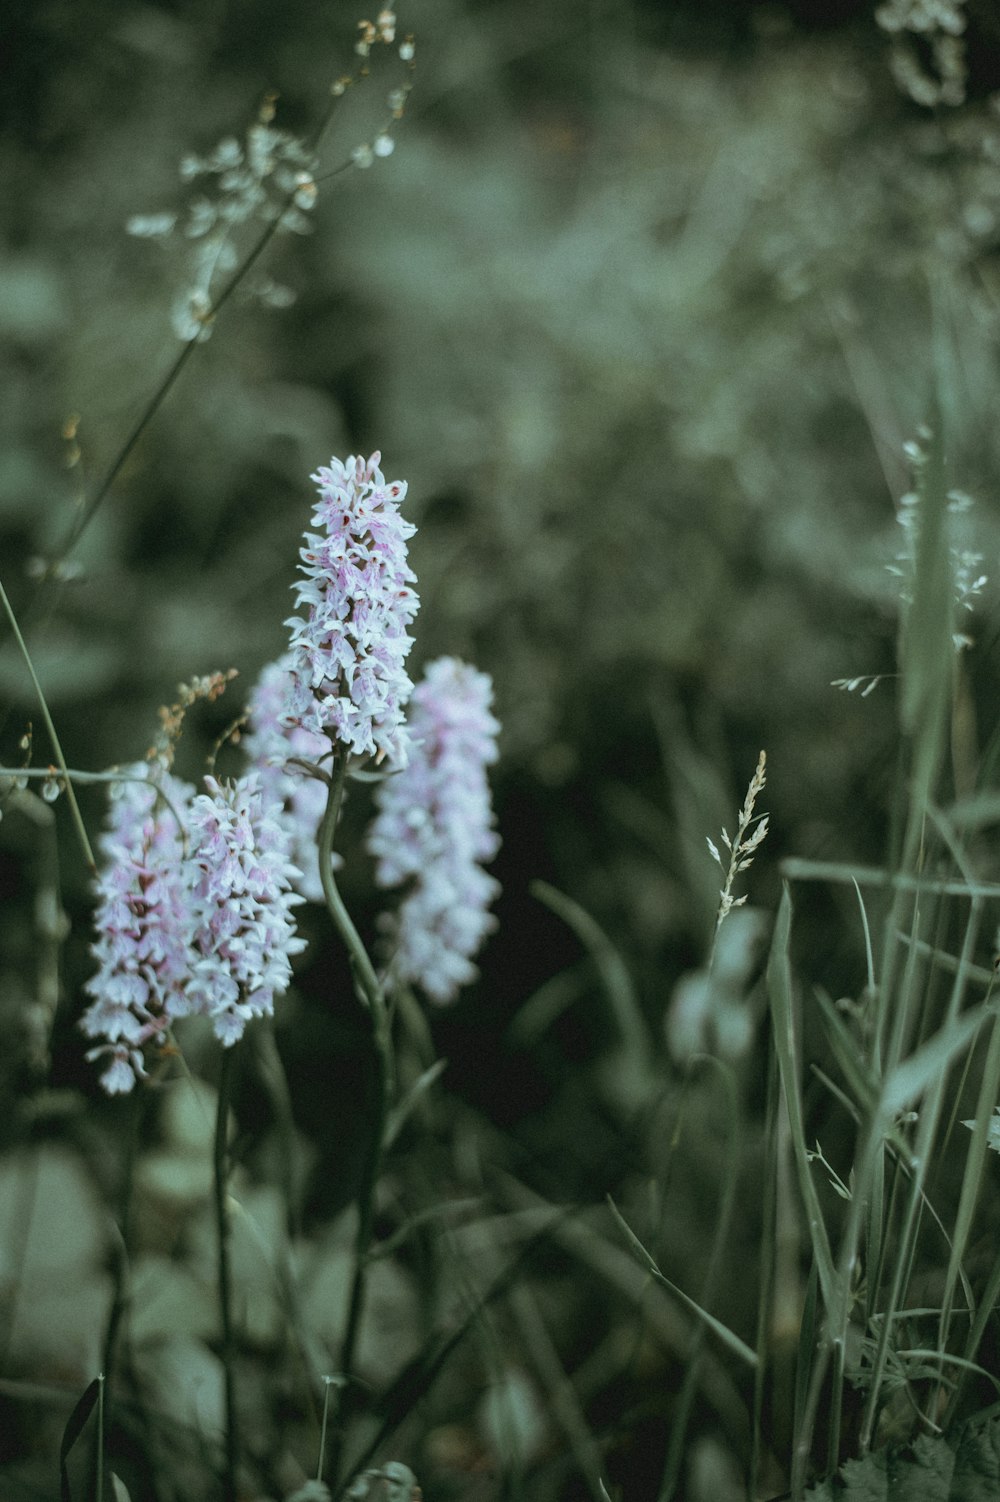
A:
(88, 854)
(100, 1438)
(362, 1246)
(72, 774)
(720, 1240)
(363, 968)
(985, 1311)
(225, 1271)
(87, 512)
(120, 1301)
(89, 507)
(85, 515)
(328, 1382)
(372, 994)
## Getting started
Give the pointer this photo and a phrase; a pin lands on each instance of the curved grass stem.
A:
(57, 750)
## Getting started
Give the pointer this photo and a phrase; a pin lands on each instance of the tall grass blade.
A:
(989, 1092)
(719, 1330)
(82, 1410)
(720, 1240)
(614, 974)
(779, 980)
(910, 1079)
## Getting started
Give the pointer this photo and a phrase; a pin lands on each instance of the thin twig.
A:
(81, 831)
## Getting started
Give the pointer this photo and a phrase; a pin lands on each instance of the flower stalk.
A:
(223, 1234)
(372, 994)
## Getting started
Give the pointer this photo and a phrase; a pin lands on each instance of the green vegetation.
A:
(682, 326)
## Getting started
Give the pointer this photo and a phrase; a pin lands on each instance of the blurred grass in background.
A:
(641, 307)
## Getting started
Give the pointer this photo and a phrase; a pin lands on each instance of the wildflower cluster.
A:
(433, 829)
(380, 32)
(241, 901)
(268, 177)
(195, 909)
(348, 679)
(193, 916)
(143, 924)
(940, 25)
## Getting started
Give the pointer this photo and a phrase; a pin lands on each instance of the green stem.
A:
(88, 854)
(86, 514)
(720, 1241)
(328, 1383)
(100, 1439)
(121, 1298)
(223, 1229)
(364, 970)
(985, 1311)
(371, 992)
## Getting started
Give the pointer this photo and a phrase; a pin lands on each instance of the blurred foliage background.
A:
(643, 307)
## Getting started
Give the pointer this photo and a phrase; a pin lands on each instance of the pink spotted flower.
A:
(242, 899)
(350, 643)
(144, 924)
(434, 829)
(274, 747)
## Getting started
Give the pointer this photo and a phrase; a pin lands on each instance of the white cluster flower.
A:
(940, 24)
(268, 177)
(922, 16)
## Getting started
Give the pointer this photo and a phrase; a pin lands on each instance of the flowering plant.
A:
(434, 827)
(242, 900)
(348, 678)
(143, 925)
(193, 917)
(276, 752)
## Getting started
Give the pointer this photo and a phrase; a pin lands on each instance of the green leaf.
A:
(82, 1410)
(779, 984)
(977, 1465)
(930, 1470)
(611, 967)
(911, 1078)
